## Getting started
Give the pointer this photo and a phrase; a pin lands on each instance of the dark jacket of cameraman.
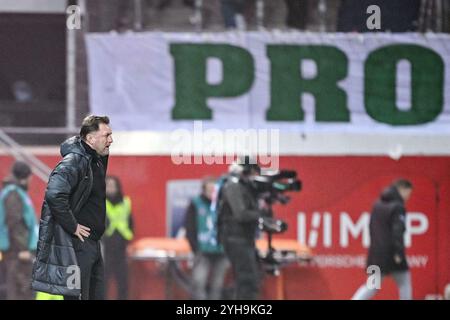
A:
(238, 218)
(238, 209)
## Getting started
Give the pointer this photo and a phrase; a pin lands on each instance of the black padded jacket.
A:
(55, 269)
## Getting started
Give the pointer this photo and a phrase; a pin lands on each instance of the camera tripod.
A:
(271, 226)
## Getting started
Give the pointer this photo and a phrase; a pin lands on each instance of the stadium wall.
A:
(330, 215)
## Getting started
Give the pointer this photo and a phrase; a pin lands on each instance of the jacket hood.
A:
(391, 194)
(73, 145)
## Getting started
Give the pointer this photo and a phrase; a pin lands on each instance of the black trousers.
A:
(18, 279)
(246, 268)
(116, 264)
(92, 272)
(119, 272)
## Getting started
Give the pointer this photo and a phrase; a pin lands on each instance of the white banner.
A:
(394, 84)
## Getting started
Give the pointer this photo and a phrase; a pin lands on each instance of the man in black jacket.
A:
(387, 248)
(238, 221)
(69, 261)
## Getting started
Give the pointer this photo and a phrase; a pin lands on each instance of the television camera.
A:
(272, 188)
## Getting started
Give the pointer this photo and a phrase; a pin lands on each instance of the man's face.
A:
(101, 140)
(25, 183)
(405, 193)
(209, 190)
(111, 187)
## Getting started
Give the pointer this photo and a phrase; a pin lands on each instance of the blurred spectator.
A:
(236, 13)
(124, 15)
(18, 232)
(396, 16)
(296, 14)
(152, 11)
(118, 233)
(201, 232)
(274, 14)
(22, 91)
(434, 16)
(239, 212)
(210, 18)
(318, 15)
(387, 247)
(134, 14)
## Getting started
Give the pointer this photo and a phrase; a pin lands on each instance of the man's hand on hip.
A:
(82, 231)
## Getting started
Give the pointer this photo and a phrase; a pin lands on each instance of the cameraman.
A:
(238, 221)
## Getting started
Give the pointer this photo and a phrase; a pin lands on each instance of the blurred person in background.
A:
(210, 14)
(387, 247)
(297, 13)
(239, 212)
(201, 231)
(236, 13)
(73, 219)
(22, 91)
(119, 232)
(18, 232)
(146, 14)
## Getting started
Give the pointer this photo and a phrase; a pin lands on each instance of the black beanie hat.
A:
(21, 170)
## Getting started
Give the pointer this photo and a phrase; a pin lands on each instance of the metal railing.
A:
(198, 19)
(39, 168)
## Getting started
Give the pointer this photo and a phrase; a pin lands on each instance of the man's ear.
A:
(89, 138)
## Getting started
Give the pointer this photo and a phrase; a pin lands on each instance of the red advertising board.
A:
(330, 215)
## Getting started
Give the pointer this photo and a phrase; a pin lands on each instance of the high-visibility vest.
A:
(206, 227)
(47, 296)
(118, 216)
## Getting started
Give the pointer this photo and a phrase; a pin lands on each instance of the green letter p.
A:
(191, 86)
